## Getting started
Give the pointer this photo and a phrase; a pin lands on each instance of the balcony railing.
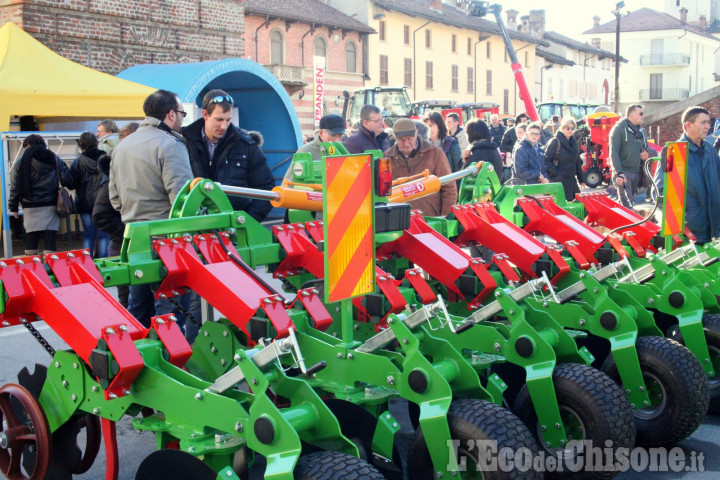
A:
(665, 59)
(664, 94)
(288, 74)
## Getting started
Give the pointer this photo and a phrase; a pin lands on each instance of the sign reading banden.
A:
(675, 183)
(348, 227)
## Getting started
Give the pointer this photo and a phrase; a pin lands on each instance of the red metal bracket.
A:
(632, 240)
(302, 254)
(310, 298)
(389, 287)
(414, 276)
(315, 229)
(606, 212)
(575, 252)
(274, 307)
(502, 262)
(484, 225)
(121, 345)
(80, 311)
(554, 252)
(436, 255)
(74, 267)
(20, 298)
(172, 338)
(549, 219)
(224, 284)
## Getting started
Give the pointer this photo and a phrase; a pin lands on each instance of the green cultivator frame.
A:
(510, 321)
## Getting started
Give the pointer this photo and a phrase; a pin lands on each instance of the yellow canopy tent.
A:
(36, 81)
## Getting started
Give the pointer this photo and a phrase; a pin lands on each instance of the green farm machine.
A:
(509, 331)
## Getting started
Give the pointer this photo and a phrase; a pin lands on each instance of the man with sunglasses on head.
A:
(628, 150)
(227, 154)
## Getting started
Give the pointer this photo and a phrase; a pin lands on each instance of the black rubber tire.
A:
(668, 365)
(596, 401)
(334, 466)
(593, 178)
(711, 324)
(475, 420)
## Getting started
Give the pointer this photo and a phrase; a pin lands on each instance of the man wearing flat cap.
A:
(411, 155)
(332, 129)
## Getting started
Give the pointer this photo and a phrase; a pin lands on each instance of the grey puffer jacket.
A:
(148, 170)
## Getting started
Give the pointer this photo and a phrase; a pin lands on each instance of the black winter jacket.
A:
(486, 151)
(509, 140)
(104, 216)
(237, 161)
(568, 161)
(40, 178)
(87, 177)
(497, 134)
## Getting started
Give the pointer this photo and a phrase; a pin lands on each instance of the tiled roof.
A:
(647, 19)
(577, 45)
(308, 11)
(552, 57)
(452, 16)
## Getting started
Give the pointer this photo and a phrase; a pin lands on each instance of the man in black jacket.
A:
(228, 154)
(510, 137)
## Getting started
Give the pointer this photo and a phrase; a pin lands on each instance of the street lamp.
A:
(617, 13)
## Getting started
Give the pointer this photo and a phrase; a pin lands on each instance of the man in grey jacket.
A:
(628, 150)
(151, 166)
(148, 170)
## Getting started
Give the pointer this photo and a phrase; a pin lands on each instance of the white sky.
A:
(572, 17)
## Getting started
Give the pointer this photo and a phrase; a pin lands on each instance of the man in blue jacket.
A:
(530, 158)
(370, 134)
(227, 154)
(702, 204)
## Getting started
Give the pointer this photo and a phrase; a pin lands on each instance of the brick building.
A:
(284, 35)
(111, 35)
(665, 125)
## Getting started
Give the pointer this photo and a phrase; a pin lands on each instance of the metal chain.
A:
(185, 312)
(289, 286)
(38, 336)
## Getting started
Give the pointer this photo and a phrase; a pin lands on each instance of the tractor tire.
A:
(328, 465)
(593, 408)
(593, 178)
(471, 421)
(677, 387)
(711, 324)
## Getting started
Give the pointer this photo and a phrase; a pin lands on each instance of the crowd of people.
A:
(134, 173)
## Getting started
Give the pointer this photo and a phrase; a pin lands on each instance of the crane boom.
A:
(477, 8)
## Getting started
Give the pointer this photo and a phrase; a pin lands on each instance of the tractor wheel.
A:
(329, 465)
(593, 178)
(173, 465)
(593, 408)
(677, 387)
(358, 425)
(23, 427)
(472, 421)
(68, 458)
(711, 324)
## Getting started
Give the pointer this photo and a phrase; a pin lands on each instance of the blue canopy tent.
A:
(262, 102)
